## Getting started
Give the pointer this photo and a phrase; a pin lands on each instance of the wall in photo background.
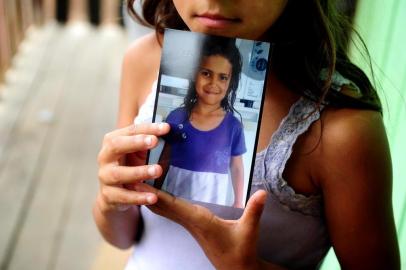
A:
(179, 67)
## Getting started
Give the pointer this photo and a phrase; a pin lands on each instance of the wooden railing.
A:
(16, 16)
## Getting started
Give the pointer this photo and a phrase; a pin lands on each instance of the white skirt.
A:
(199, 186)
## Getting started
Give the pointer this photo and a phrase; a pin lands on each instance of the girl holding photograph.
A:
(322, 175)
(206, 140)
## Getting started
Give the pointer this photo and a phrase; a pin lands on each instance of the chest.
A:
(206, 122)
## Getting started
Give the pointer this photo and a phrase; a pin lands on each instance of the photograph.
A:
(209, 91)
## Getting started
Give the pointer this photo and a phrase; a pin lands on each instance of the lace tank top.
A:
(293, 232)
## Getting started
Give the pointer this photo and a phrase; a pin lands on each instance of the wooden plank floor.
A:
(59, 100)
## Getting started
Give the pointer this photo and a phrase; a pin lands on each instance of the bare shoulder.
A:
(351, 134)
(354, 146)
(351, 126)
(355, 175)
(142, 58)
(139, 71)
(143, 50)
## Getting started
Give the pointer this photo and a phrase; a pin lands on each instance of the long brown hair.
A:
(309, 37)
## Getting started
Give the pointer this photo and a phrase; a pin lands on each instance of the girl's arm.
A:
(237, 177)
(115, 210)
(355, 176)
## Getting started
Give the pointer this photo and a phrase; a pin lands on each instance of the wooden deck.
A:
(59, 100)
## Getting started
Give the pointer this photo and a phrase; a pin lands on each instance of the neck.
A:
(278, 91)
(206, 109)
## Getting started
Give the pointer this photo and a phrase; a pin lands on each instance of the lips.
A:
(210, 92)
(211, 20)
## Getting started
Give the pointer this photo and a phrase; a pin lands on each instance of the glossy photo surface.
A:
(210, 91)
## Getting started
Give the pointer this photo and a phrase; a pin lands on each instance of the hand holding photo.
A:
(210, 92)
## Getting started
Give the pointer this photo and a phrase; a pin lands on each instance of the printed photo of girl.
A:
(202, 158)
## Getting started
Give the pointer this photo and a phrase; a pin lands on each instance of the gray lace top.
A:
(270, 163)
(293, 232)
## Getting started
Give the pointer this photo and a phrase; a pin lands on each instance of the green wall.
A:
(382, 25)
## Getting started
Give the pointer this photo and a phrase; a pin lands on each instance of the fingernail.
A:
(150, 199)
(148, 141)
(151, 170)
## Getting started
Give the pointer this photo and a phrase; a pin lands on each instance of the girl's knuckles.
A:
(107, 137)
(106, 149)
(105, 195)
(123, 199)
(101, 175)
(137, 128)
(115, 175)
(139, 140)
(136, 173)
(139, 200)
(114, 145)
(133, 199)
(132, 129)
(100, 157)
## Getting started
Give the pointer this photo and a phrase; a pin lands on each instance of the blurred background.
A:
(60, 64)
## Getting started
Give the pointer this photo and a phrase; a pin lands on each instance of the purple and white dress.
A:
(200, 160)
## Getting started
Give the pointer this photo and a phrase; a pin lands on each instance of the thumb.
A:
(254, 209)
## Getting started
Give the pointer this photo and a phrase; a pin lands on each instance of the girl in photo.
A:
(322, 176)
(206, 141)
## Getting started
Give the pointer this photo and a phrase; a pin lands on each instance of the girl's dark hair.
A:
(225, 47)
(310, 36)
